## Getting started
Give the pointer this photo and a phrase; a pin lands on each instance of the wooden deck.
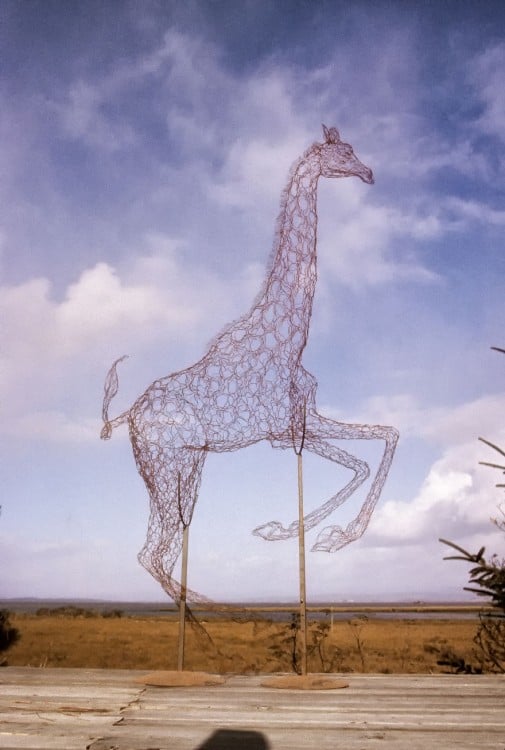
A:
(67, 709)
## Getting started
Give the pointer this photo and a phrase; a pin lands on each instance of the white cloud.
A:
(188, 77)
(360, 243)
(473, 210)
(488, 76)
(50, 347)
(82, 117)
(445, 425)
(98, 303)
(482, 417)
(39, 331)
(458, 497)
(253, 171)
(456, 500)
(84, 109)
(73, 566)
(241, 154)
(52, 426)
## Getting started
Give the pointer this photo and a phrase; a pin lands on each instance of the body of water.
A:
(254, 610)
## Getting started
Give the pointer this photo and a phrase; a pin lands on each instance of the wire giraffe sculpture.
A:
(251, 386)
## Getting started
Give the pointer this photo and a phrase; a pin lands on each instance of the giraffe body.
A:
(251, 386)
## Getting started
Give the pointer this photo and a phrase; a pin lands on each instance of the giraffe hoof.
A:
(271, 531)
(330, 539)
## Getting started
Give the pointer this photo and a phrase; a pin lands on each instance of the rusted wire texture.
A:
(251, 386)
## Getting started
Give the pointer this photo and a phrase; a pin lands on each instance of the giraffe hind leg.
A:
(173, 484)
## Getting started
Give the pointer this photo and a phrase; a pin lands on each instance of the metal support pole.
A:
(182, 603)
(301, 557)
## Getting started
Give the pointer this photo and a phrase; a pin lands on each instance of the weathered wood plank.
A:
(366, 739)
(106, 710)
(67, 709)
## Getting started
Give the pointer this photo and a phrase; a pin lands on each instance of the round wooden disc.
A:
(173, 678)
(304, 682)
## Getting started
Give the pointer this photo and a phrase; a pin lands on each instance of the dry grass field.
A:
(374, 645)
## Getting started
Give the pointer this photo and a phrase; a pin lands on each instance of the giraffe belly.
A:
(212, 412)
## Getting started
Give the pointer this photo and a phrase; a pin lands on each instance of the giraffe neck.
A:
(289, 289)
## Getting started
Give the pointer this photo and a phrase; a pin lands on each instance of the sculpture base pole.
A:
(301, 559)
(303, 681)
(181, 678)
(182, 604)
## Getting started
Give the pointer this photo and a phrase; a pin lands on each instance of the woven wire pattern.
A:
(251, 386)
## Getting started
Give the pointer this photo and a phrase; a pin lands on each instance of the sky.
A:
(143, 151)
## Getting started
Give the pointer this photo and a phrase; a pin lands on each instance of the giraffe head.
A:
(338, 158)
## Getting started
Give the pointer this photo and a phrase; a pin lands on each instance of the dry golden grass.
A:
(247, 646)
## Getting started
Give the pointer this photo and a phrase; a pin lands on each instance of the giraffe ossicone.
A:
(251, 386)
(331, 134)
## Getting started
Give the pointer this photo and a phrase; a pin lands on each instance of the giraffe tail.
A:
(110, 388)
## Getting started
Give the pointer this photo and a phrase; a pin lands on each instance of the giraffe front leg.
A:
(319, 432)
(274, 530)
(333, 538)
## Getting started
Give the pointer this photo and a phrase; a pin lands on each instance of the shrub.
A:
(8, 634)
(112, 613)
(487, 580)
